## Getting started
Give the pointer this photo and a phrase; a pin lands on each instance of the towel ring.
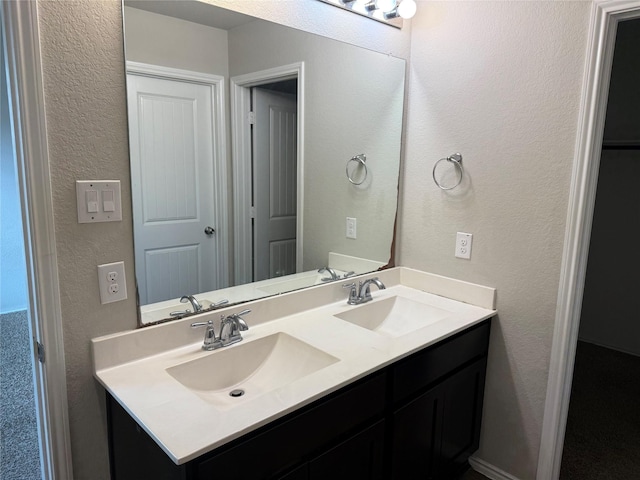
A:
(456, 159)
(361, 159)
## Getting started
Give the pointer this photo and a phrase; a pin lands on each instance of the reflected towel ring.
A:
(456, 159)
(362, 160)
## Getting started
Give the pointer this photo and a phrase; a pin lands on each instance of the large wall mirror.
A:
(264, 159)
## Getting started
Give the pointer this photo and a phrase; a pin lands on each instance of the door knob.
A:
(209, 230)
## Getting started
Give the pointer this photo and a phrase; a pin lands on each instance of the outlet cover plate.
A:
(351, 231)
(112, 282)
(463, 245)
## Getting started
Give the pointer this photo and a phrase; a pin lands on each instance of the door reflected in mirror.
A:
(240, 134)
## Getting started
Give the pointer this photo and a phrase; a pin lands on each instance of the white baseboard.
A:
(488, 470)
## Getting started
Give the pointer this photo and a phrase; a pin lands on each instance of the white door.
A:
(172, 179)
(274, 183)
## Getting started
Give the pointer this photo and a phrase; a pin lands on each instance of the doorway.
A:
(283, 254)
(40, 319)
(602, 439)
(606, 15)
(274, 179)
(19, 443)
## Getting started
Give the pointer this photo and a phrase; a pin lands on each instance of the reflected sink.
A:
(394, 316)
(253, 368)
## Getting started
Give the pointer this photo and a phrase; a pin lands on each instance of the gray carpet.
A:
(603, 428)
(19, 452)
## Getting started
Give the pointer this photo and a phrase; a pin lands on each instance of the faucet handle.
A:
(218, 303)
(353, 293)
(210, 340)
(202, 324)
(242, 325)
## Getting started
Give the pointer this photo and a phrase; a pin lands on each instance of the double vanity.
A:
(318, 388)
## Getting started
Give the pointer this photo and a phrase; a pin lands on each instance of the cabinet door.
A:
(300, 473)
(434, 434)
(133, 454)
(416, 437)
(461, 417)
(359, 457)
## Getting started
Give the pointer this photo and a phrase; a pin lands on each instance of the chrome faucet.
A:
(194, 303)
(230, 328)
(189, 298)
(334, 276)
(211, 342)
(362, 293)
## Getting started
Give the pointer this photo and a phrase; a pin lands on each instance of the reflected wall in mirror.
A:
(241, 132)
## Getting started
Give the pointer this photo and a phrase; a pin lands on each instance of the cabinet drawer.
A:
(432, 364)
(284, 445)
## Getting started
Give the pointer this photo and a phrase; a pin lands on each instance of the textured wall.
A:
(83, 64)
(82, 50)
(499, 82)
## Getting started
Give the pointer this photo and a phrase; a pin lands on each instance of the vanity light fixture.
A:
(391, 12)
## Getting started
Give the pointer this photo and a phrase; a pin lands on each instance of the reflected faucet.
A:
(194, 303)
(334, 276)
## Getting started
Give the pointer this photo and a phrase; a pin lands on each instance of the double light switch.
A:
(98, 201)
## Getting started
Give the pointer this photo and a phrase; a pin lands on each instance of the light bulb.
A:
(386, 5)
(407, 8)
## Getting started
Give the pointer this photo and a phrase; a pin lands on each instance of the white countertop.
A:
(132, 366)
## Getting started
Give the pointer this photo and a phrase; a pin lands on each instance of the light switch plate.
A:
(98, 201)
(112, 282)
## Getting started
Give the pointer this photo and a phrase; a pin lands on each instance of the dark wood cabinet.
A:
(415, 440)
(361, 457)
(417, 418)
(435, 433)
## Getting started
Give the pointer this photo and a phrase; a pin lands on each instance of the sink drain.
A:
(236, 393)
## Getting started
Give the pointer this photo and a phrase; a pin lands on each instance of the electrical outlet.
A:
(463, 245)
(351, 227)
(112, 282)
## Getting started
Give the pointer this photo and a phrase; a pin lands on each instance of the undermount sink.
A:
(231, 375)
(394, 316)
